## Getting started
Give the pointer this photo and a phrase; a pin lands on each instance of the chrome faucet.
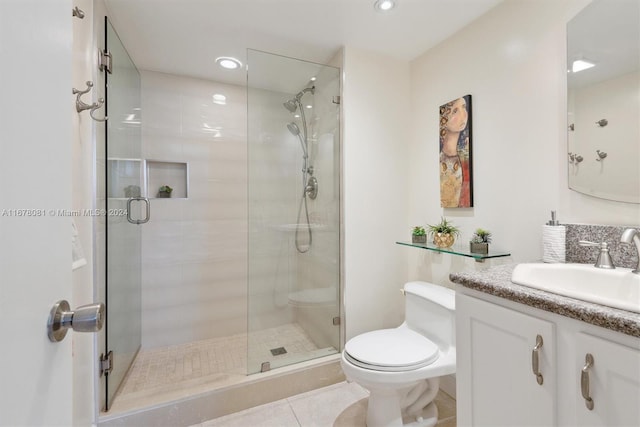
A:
(604, 258)
(632, 235)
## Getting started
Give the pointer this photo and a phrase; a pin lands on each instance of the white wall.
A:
(375, 176)
(512, 61)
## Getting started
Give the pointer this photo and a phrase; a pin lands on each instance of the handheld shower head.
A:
(291, 105)
(294, 129)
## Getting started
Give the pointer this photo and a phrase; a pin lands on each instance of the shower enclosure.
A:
(238, 272)
(294, 210)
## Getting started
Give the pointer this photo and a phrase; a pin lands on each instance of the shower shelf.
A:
(457, 249)
(173, 174)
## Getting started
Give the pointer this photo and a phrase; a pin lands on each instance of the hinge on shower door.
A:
(106, 363)
(336, 320)
(105, 61)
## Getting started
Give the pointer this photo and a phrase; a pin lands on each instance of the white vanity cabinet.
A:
(612, 382)
(496, 385)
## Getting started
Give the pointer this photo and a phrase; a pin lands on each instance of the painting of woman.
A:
(456, 190)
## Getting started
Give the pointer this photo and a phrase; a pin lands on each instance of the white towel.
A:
(553, 243)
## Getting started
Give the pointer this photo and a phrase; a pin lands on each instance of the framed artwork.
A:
(456, 177)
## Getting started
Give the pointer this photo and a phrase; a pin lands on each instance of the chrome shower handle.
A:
(148, 210)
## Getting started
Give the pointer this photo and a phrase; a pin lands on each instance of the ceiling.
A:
(185, 36)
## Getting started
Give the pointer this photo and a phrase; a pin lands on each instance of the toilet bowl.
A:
(401, 366)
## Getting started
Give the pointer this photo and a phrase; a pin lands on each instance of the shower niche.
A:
(139, 177)
(167, 174)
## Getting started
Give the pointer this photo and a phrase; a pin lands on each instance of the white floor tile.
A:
(276, 414)
(321, 408)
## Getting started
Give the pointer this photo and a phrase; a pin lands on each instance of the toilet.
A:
(401, 367)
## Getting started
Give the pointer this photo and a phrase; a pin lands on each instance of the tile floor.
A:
(176, 363)
(158, 374)
(339, 405)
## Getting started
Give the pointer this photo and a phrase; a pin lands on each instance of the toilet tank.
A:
(430, 310)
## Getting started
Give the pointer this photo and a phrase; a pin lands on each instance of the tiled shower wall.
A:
(194, 249)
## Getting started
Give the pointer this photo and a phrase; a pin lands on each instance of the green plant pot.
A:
(163, 195)
(479, 248)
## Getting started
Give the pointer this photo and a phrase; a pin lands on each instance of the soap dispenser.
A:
(554, 240)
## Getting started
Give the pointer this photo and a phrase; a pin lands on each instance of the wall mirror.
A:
(603, 82)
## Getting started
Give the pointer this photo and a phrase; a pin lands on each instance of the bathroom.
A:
(511, 59)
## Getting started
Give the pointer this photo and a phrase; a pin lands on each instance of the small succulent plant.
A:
(481, 236)
(418, 231)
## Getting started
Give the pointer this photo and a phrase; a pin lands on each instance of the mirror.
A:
(603, 82)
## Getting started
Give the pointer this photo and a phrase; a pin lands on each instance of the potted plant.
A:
(165, 191)
(479, 243)
(418, 234)
(444, 233)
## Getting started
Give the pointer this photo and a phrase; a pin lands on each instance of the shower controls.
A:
(87, 318)
(311, 190)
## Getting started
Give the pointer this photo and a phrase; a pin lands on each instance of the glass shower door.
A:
(294, 210)
(124, 206)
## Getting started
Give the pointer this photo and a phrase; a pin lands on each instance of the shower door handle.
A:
(147, 214)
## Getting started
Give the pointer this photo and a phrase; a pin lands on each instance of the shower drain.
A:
(278, 351)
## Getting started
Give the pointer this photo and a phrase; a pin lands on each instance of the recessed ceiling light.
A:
(384, 5)
(228, 62)
(218, 98)
(581, 65)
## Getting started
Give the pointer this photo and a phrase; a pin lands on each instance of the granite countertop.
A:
(497, 281)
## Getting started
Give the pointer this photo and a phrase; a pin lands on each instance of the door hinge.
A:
(105, 61)
(336, 320)
(106, 364)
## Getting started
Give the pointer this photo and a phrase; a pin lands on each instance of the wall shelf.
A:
(458, 249)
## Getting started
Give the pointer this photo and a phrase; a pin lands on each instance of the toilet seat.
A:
(391, 350)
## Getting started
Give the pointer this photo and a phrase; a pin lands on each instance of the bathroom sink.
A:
(618, 288)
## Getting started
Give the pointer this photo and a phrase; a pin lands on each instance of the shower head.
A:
(311, 89)
(291, 105)
(294, 129)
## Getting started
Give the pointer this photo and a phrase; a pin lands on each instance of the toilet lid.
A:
(399, 349)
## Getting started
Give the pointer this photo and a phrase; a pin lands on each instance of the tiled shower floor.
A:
(168, 373)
